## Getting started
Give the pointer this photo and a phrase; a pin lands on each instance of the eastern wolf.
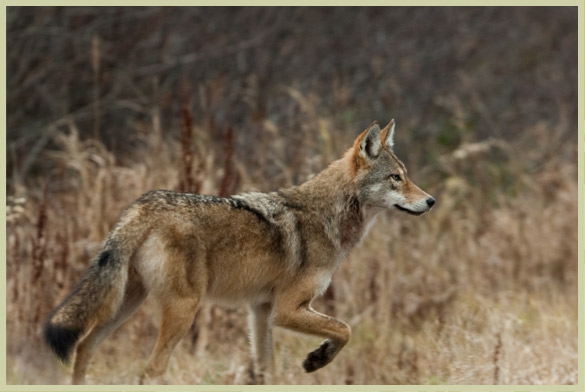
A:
(274, 252)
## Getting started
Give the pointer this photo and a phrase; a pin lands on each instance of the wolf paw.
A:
(318, 358)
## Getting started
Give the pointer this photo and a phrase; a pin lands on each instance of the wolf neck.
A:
(332, 197)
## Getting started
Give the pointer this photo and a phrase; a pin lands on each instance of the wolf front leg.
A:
(294, 311)
(261, 341)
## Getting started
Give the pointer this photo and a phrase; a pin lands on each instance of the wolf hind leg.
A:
(134, 295)
(178, 314)
(178, 285)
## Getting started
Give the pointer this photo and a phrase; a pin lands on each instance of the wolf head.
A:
(381, 178)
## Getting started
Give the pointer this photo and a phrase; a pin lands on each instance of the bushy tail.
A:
(95, 299)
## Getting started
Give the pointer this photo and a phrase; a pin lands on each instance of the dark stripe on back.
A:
(175, 198)
(242, 205)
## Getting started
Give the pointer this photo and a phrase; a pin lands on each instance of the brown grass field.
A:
(482, 290)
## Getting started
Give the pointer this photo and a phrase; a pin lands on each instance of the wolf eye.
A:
(395, 177)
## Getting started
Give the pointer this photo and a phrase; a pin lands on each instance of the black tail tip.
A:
(61, 340)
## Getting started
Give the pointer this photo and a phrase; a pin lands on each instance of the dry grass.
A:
(480, 291)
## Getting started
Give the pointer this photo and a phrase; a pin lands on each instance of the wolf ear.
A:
(371, 144)
(388, 134)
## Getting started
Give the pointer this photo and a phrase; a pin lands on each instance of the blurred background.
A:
(105, 104)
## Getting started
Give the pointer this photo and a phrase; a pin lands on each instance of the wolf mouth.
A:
(411, 212)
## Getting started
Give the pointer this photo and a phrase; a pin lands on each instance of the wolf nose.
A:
(431, 201)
